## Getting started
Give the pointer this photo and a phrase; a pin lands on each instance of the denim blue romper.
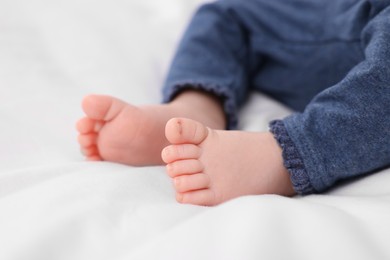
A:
(327, 60)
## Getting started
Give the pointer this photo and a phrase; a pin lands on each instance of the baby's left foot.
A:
(209, 167)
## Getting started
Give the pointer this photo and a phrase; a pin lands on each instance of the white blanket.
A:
(54, 205)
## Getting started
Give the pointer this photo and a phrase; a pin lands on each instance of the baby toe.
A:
(182, 167)
(192, 182)
(205, 197)
(179, 152)
(185, 131)
(87, 140)
(89, 151)
(85, 125)
(101, 107)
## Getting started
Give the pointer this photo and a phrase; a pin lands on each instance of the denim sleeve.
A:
(345, 131)
(212, 56)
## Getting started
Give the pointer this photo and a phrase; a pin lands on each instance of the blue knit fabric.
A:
(292, 159)
(327, 60)
(224, 94)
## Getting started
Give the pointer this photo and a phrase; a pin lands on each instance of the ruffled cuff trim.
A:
(292, 159)
(223, 93)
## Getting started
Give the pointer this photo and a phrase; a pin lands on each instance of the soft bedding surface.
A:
(54, 205)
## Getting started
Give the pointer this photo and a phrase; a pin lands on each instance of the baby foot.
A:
(119, 132)
(209, 167)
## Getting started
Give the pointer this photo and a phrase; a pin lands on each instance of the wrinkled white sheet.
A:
(53, 205)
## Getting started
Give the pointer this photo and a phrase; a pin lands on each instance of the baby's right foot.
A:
(116, 131)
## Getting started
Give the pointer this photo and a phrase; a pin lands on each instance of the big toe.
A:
(101, 107)
(185, 131)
